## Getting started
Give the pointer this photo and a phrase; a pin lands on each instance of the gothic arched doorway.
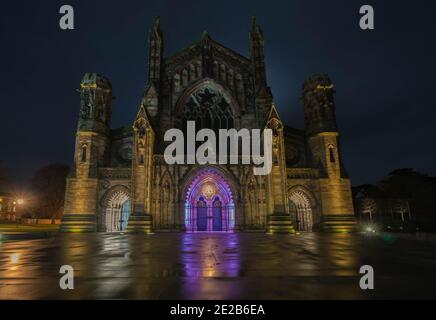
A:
(301, 210)
(209, 205)
(116, 211)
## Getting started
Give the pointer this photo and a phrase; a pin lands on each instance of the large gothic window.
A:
(209, 109)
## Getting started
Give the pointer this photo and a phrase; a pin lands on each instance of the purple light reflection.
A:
(207, 260)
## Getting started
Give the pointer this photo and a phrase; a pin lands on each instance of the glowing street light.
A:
(20, 201)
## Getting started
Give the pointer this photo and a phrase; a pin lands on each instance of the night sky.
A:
(385, 79)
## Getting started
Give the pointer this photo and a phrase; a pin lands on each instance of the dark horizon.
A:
(383, 78)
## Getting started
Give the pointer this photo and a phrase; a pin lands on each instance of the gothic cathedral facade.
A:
(121, 182)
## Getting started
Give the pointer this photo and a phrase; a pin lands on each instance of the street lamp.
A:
(18, 204)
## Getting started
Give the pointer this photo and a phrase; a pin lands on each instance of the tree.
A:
(403, 190)
(419, 189)
(48, 187)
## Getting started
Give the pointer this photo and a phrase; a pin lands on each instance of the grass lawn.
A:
(29, 228)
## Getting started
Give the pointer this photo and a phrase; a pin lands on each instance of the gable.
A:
(194, 53)
(208, 59)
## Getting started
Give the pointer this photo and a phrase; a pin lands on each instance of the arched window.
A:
(332, 153)
(184, 78)
(176, 82)
(201, 202)
(84, 151)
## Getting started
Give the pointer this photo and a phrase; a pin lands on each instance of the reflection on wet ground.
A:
(217, 266)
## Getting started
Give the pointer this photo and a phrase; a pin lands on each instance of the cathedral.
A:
(120, 181)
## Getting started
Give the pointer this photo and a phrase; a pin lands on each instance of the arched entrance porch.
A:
(302, 209)
(116, 210)
(209, 203)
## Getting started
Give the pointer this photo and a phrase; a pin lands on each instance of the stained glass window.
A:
(209, 109)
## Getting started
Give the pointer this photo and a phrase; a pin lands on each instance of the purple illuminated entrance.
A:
(209, 204)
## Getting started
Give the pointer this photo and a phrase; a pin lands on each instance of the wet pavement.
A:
(217, 266)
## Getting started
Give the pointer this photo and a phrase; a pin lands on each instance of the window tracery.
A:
(209, 109)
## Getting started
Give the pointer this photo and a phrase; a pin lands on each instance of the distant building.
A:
(121, 181)
(8, 206)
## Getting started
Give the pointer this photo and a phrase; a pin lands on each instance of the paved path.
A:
(217, 266)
